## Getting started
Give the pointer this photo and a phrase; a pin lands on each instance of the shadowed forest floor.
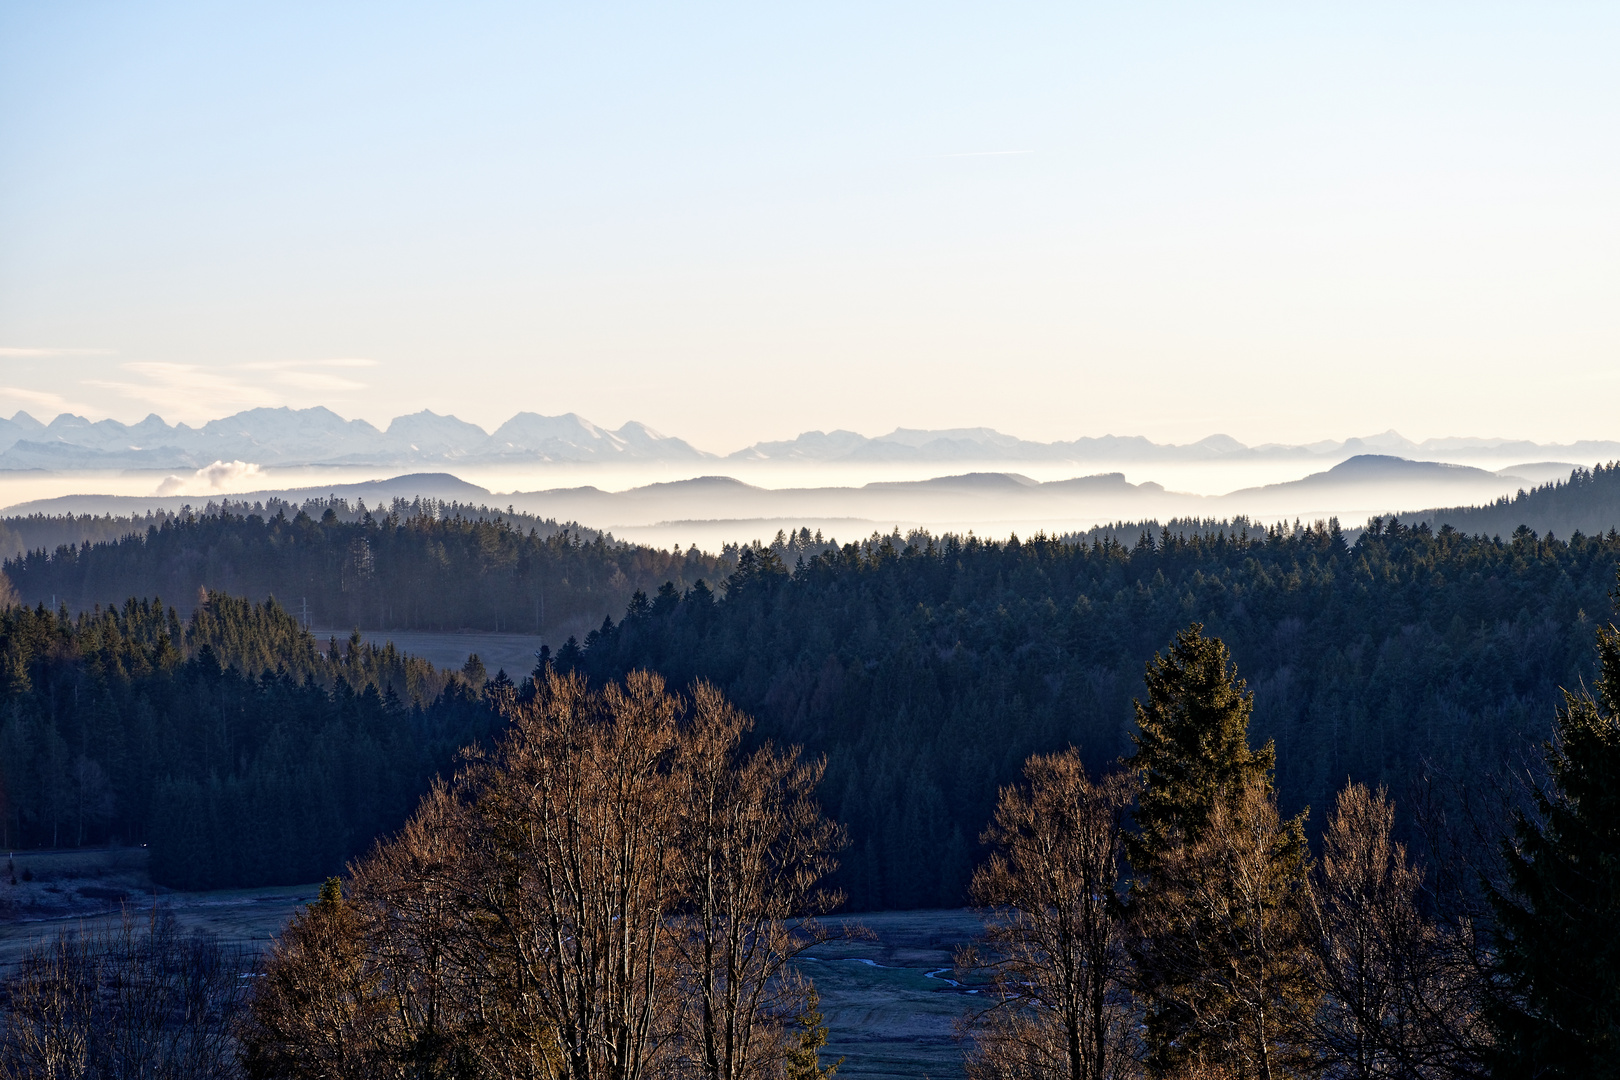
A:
(889, 1004)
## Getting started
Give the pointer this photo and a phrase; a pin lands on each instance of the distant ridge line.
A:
(318, 436)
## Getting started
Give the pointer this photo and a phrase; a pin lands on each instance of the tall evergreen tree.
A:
(1192, 743)
(1560, 955)
(1217, 901)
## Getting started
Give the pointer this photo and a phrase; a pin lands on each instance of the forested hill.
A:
(32, 532)
(1588, 502)
(928, 672)
(411, 568)
(242, 751)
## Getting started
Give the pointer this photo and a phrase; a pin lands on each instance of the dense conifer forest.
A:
(926, 669)
(1151, 900)
(240, 748)
(413, 566)
(929, 670)
(35, 532)
(1589, 502)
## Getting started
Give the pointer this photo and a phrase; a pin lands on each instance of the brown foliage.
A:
(137, 1000)
(1225, 940)
(316, 1009)
(574, 870)
(754, 847)
(1052, 945)
(607, 894)
(1400, 996)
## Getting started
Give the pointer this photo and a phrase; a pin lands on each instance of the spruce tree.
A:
(1192, 743)
(1560, 950)
(1217, 899)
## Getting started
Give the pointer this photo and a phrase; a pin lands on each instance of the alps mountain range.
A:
(318, 436)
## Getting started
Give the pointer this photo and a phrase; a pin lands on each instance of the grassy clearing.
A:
(513, 653)
(59, 890)
(886, 1016)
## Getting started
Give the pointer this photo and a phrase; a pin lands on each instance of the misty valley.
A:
(209, 713)
(791, 542)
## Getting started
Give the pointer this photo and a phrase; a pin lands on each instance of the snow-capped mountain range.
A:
(318, 436)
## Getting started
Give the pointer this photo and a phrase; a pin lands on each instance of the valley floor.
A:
(888, 997)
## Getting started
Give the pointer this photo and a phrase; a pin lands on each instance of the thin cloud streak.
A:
(192, 392)
(26, 351)
(44, 399)
(318, 381)
(283, 365)
(187, 389)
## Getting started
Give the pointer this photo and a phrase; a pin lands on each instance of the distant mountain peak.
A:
(282, 435)
(1383, 465)
(1223, 443)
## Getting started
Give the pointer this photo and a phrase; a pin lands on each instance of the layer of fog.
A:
(664, 504)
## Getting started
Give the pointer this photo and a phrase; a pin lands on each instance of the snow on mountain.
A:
(571, 437)
(315, 436)
(305, 435)
(809, 446)
(19, 427)
(427, 432)
(568, 437)
(642, 441)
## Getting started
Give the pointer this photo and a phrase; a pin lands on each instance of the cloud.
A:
(20, 351)
(209, 479)
(194, 391)
(318, 380)
(187, 388)
(44, 399)
(337, 362)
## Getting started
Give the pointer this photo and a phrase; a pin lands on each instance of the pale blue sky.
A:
(734, 222)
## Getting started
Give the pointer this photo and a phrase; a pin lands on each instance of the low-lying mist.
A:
(666, 503)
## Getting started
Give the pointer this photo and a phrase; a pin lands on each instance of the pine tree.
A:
(1560, 954)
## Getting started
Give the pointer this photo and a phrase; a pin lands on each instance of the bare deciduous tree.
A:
(1392, 1002)
(1400, 998)
(142, 999)
(52, 1011)
(1053, 944)
(316, 1011)
(613, 893)
(574, 822)
(448, 1003)
(753, 849)
(1230, 936)
(1371, 940)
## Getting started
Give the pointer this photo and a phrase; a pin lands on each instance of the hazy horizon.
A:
(734, 222)
(658, 503)
(1484, 439)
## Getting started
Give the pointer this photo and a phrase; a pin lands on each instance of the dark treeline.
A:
(50, 531)
(1589, 502)
(31, 532)
(1129, 532)
(236, 746)
(928, 671)
(415, 566)
(618, 887)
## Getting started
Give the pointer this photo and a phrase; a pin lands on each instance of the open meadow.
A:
(889, 998)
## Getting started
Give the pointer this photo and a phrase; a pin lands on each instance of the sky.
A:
(1284, 222)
